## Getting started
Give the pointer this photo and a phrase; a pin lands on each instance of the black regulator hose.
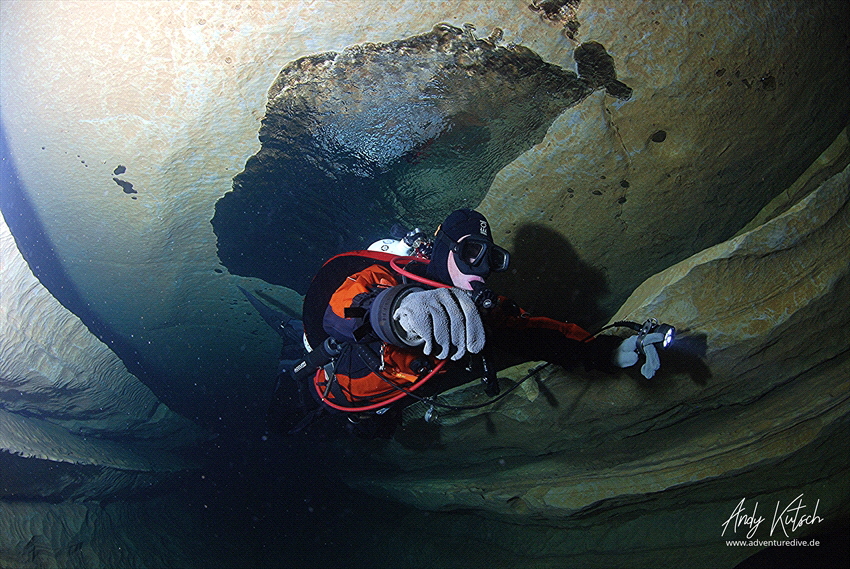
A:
(431, 400)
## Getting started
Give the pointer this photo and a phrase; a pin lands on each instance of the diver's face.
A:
(459, 278)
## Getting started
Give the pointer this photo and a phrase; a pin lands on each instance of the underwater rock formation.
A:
(729, 104)
(387, 133)
(727, 108)
(92, 535)
(73, 420)
(753, 399)
(720, 120)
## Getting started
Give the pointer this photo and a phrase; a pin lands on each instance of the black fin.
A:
(277, 320)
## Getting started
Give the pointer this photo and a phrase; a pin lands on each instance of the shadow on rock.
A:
(687, 356)
(548, 278)
(419, 434)
(551, 400)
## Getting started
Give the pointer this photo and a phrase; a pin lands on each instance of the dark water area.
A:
(282, 502)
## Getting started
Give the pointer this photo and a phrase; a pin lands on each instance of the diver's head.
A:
(464, 251)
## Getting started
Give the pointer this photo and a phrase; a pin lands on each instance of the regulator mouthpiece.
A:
(482, 296)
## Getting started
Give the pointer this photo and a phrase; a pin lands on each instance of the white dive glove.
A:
(444, 317)
(627, 353)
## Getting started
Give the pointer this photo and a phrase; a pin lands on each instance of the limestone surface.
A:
(65, 396)
(752, 399)
(623, 189)
(124, 142)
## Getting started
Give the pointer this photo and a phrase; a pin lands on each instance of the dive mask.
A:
(477, 256)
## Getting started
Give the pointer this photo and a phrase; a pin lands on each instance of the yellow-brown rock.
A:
(124, 124)
(752, 400)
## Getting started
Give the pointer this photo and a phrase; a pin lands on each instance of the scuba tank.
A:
(404, 243)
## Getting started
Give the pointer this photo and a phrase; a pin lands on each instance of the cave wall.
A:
(78, 431)
(127, 122)
(718, 123)
(751, 403)
(73, 421)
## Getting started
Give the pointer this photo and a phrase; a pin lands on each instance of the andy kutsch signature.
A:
(789, 519)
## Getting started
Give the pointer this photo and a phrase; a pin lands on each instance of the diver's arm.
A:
(346, 317)
(522, 337)
(444, 321)
(529, 338)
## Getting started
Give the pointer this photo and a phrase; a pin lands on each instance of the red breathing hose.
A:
(394, 263)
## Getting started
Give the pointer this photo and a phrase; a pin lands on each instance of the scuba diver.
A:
(410, 318)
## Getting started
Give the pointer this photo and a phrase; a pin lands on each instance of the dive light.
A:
(651, 326)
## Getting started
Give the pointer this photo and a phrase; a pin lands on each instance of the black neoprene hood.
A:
(459, 223)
